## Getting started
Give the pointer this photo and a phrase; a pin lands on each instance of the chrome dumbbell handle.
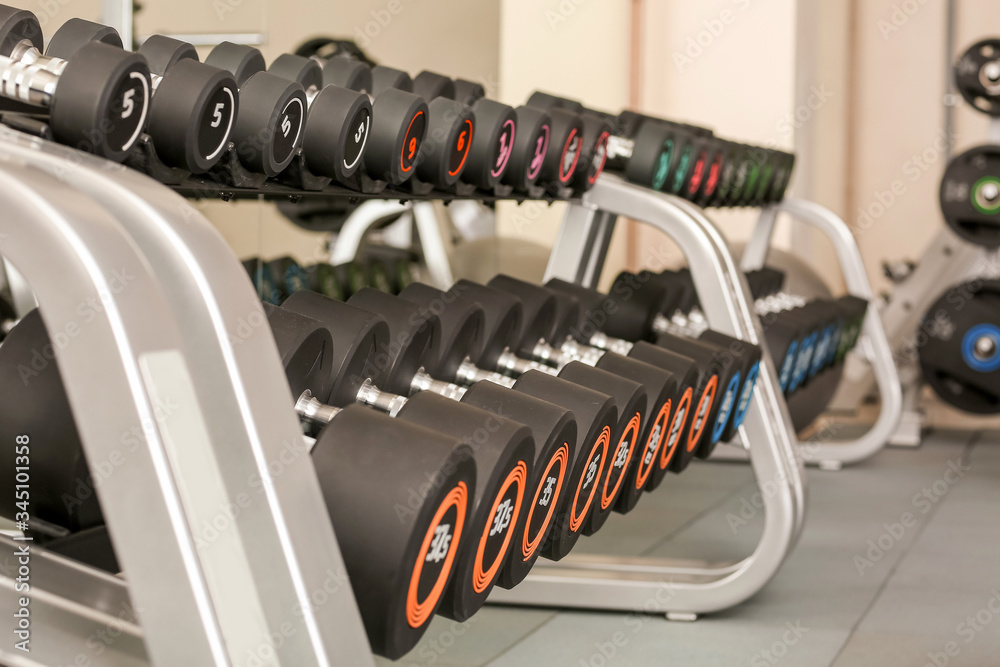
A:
(469, 373)
(423, 382)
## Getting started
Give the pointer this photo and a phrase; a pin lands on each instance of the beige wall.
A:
(574, 48)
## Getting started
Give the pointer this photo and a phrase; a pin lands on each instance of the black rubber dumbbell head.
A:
(238, 59)
(337, 132)
(306, 350)
(631, 400)
(430, 86)
(102, 102)
(399, 124)
(596, 416)
(492, 143)
(305, 71)
(413, 333)
(504, 455)
(16, 26)
(468, 92)
(399, 496)
(162, 52)
(462, 325)
(347, 73)
(75, 33)
(539, 308)
(534, 130)
(359, 338)
(387, 78)
(554, 431)
(445, 149)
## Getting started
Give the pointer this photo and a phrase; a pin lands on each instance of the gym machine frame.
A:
(948, 260)
(679, 589)
(171, 337)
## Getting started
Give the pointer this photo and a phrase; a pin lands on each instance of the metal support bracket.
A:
(680, 589)
(873, 345)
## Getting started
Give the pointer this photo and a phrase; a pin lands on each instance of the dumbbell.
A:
(642, 304)
(193, 105)
(399, 494)
(598, 312)
(668, 400)
(525, 141)
(339, 120)
(503, 449)
(451, 125)
(412, 335)
(269, 127)
(561, 313)
(596, 413)
(399, 119)
(596, 131)
(364, 473)
(98, 100)
(631, 383)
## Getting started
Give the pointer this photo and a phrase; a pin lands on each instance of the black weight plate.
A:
(970, 195)
(960, 356)
(977, 76)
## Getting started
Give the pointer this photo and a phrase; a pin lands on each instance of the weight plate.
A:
(970, 195)
(977, 76)
(960, 350)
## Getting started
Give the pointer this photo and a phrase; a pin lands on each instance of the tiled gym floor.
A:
(925, 595)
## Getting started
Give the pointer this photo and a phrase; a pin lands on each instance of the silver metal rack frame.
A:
(679, 589)
(832, 454)
(259, 578)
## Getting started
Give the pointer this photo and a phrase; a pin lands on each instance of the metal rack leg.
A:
(873, 343)
(131, 348)
(278, 551)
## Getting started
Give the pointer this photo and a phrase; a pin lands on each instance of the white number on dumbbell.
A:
(547, 492)
(622, 454)
(360, 133)
(654, 442)
(675, 428)
(440, 543)
(591, 471)
(502, 518)
(286, 126)
(217, 116)
(128, 104)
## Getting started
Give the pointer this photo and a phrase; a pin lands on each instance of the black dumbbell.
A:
(596, 413)
(269, 127)
(412, 334)
(98, 100)
(503, 449)
(347, 73)
(629, 382)
(193, 105)
(399, 494)
(670, 439)
(581, 339)
(399, 126)
(450, 125)
(364, 473)
(594, 136)
(643, 305)
(339, 120)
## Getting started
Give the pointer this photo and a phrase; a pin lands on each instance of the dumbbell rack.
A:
(680, 589)
(171, 336)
